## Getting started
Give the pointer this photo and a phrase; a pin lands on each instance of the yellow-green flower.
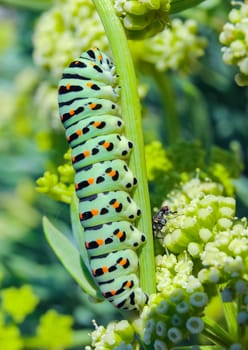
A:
(19, 302)
(10, 337)
(54, 330)
(156, 159)
(60, 185)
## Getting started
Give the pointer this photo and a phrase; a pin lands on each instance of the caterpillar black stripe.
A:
(88, 104)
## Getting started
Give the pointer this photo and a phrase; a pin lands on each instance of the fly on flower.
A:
(159, 219)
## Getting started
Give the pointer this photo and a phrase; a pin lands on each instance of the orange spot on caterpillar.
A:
(90, 181)
(94, 212)
(89, 85)
(113, 292)
(86, 153)
(87, 245)
(68, 86)
(115, 205)
(119, 234)
(76, 186)
(72, 112)
(112, 173)
(73, 159)
(96, 124)
(62, 117)
(100, 241)
(128, 284)
(123, 262)
(79, 132)
(106, 144)
(105, 269)
(92, 105)
(81, 216)
(100, 57)
(76, 62)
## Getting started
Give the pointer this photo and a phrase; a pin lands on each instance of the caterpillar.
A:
(88, 95)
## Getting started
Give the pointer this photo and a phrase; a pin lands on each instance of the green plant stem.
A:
(199, 118)
(30, 4)
(180, 5)
(214, 332)
(168, 99)
(131, 115)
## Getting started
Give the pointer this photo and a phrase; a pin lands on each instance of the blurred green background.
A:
(211, 109)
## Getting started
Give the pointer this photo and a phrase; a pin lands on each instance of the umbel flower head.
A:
(176, 47)
(204, 245)
(64, 32)
(168, 320)
(116, 336)
(206, 228)
(143, 19)
(234, 37)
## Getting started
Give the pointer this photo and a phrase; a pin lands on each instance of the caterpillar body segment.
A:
(113, 236)
(100, 148)
(104, 176)
(106, 207)
(91, 127)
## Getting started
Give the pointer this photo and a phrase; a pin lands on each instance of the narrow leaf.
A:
(78, 231)
(70, 258)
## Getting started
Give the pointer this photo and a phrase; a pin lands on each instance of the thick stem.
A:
(168, 99)
(131, 115)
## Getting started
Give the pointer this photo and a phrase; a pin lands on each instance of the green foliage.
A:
(70, 258)
(201, 263)
(182, 161)
(53, 330)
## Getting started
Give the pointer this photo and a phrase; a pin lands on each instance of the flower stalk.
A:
(131, 115)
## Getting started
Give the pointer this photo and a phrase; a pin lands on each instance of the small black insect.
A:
(159, 219)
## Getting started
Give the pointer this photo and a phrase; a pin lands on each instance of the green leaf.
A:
(70, 258)
(180, 5)
(78, 231)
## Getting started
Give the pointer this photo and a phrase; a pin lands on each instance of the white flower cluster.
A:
(64, 32)
(117, 336)
(176, 48)
(234, 37)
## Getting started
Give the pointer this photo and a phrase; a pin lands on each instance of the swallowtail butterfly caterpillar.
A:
(88, 104)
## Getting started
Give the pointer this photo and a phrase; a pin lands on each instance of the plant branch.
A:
(131, 115)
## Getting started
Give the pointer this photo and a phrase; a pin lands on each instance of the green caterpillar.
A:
(89, 111)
